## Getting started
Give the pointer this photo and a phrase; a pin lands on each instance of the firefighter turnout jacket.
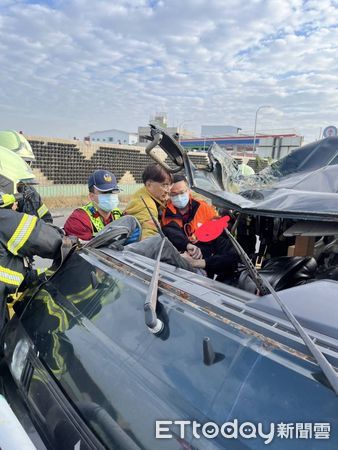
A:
(31, 203)
(22, 235)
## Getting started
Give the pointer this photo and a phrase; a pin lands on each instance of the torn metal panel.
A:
(302, 185)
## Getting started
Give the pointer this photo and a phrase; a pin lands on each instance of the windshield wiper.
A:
(261, 282)
(154, 324)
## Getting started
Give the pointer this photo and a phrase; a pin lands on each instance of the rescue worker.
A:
(31, 202)
(155, 193)
(21, 236)
(181, 218)
(102, 209)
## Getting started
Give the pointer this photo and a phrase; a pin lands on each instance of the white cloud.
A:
(74, 66)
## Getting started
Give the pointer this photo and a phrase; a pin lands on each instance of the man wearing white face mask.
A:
(102, 209)
(183, 215)
(187, 214)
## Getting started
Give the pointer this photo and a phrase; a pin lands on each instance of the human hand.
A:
(196, 263)
(194, 251)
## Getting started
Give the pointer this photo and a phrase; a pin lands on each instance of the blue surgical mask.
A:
(108, 202)
(180, 201)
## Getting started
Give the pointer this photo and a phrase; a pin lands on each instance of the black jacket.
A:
(31, 203)
(220, 257)
(22, 235)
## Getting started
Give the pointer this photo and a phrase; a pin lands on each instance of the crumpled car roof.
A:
(304, 184)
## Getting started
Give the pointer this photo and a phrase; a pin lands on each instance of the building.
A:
(114, 137)
(218, 130)
(181, 133)
(273, 146)
(160, 120)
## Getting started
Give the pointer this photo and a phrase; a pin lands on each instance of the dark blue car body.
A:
(91, 375)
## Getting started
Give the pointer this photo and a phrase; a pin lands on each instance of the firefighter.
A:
(22, 236)
(31, 202)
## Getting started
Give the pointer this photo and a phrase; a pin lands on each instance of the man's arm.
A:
(26, 235)
(78, 224)
(137, 209)
(176, 236)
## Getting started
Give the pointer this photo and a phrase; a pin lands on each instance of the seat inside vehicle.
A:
(282, 272)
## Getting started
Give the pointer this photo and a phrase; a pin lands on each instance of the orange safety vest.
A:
(199, 213)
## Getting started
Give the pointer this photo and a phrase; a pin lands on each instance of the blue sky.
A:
(74, 66)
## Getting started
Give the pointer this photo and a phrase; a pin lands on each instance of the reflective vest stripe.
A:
(11, 277)
(116, 213)
(97, 222)
(42, 210)
(22, 233)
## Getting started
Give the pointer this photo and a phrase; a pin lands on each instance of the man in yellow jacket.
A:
(157, 183)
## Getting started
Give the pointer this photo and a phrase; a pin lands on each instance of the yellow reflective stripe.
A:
(42, 210)
(49, 272)
(58, 359)
(6, 200)
(9, 276)
(54, 310)
(113, 295)
(22, 233)
(82, 295)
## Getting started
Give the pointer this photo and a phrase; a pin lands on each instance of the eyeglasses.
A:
(166, 186)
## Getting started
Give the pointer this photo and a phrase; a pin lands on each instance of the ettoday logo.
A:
(166, 429)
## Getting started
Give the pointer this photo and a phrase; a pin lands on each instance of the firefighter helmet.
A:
(13, 170)
(17, 143)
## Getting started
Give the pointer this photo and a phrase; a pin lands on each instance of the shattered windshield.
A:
(302, 184)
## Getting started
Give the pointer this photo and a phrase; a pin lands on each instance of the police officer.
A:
(30, 202)
(87, 221)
